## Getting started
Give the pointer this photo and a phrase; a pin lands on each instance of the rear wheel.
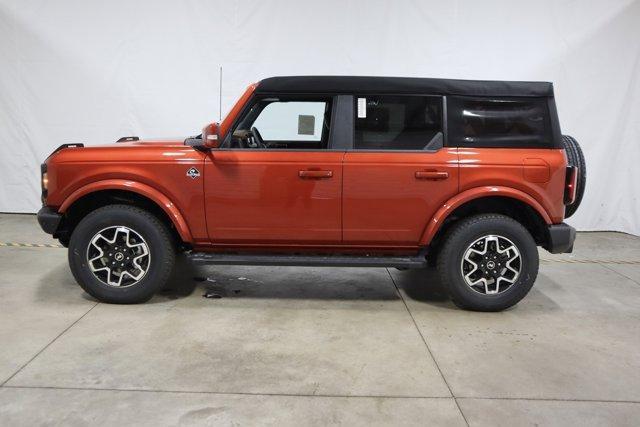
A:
(121, 254)
(488, 262)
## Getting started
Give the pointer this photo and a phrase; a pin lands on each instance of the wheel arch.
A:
(502, 200)
(101, 193)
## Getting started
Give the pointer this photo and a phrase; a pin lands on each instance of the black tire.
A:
(575, 157)
(468, 231)
(156, 236)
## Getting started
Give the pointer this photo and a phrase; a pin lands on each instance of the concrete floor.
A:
(313, 346)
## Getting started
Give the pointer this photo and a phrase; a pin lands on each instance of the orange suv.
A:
(468, 176)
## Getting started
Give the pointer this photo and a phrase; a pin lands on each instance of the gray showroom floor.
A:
(312, 346)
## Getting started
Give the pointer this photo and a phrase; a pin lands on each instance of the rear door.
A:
(398, 173)
(278, 180)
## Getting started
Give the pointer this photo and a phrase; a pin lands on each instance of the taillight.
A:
(570, 185)
(44, 183)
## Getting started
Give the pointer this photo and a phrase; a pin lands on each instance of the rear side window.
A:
(385, 122)
(499, 122)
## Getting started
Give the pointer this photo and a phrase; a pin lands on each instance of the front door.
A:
(276, 180)
(398, 173)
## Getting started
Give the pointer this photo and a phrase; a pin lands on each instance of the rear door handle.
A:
(307, 174)
(432, 175)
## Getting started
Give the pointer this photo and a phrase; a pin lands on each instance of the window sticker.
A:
(362, 108)
(306, 124)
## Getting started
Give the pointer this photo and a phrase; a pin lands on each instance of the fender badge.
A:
(193, 173)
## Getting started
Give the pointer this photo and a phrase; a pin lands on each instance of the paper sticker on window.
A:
(362, 108)
(306, 124)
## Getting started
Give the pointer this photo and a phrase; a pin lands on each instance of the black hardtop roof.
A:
(402, 85)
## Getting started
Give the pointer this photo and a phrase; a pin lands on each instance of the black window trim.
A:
(348, 143)
(342, 124)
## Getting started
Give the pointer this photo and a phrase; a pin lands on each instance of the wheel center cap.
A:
(119, 256)
(490, 265)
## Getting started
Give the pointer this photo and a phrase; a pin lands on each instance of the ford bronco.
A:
(466, 176)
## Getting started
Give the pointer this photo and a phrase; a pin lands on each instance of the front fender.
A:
(136, 187)
(476, 193)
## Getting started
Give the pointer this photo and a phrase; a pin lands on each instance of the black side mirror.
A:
(195, 141)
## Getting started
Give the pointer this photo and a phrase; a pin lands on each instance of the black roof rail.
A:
(128, 139)
(63, 146)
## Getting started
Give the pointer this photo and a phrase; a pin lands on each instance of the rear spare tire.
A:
(575, 157)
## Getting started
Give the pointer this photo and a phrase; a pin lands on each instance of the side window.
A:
(284, 124)
(291, 121)
(385, 122)
(504, 122)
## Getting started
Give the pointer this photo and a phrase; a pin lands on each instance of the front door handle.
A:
(432, 175)
(308, 174)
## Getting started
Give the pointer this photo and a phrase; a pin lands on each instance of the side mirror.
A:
(194, 142)
(210, 136)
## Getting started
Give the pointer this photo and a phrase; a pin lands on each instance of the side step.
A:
(214, 258)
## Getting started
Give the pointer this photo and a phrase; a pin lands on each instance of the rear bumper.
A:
(560, 238)
(49, 220)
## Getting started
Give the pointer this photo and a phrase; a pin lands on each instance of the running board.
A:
(214, 258)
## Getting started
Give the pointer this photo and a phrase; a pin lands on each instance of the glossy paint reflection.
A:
(259, 197)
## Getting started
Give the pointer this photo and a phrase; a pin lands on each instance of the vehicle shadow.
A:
(420, 284)
(345, 284)
(303, 283)
(340, 284)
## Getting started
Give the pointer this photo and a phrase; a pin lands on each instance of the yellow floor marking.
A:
(591, 261)
(30, 245)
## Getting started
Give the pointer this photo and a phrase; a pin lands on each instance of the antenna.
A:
(220, 96)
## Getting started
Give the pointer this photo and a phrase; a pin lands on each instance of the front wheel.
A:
(121, 254)
(488, 262)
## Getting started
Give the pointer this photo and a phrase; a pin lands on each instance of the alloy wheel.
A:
(118, 256)
(491, 264)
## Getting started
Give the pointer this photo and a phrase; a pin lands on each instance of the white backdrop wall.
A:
(92, 71)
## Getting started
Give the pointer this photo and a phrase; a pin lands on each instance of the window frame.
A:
(342, 128)
(443, 120)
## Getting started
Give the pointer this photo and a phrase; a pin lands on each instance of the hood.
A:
(135, 150)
